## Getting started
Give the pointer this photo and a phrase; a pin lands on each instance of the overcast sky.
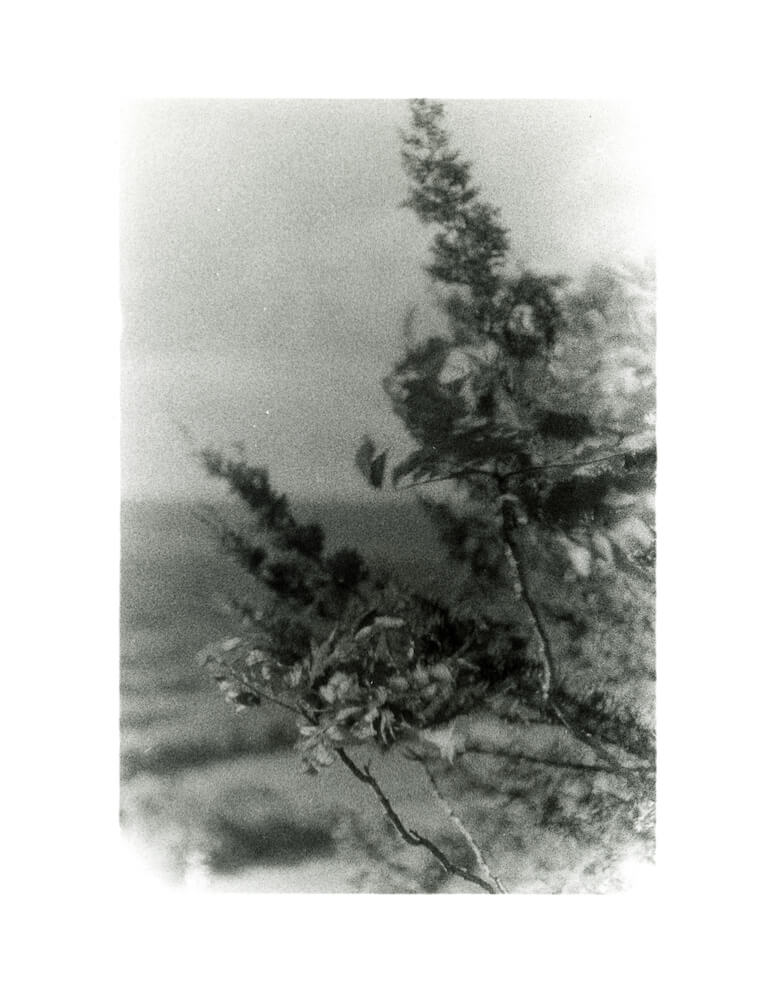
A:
(267, 265)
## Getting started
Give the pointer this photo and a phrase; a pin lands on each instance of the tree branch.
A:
(469, 471)
(567, 465)
(515, 559)
(457, 821)
(411, 837)
(260, 692)
(515, 753)
(595, 744)
(517, 563)
(472, 470)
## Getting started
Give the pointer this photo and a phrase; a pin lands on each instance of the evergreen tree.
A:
(536, 414)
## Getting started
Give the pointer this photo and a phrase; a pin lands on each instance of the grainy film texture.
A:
(388, 520)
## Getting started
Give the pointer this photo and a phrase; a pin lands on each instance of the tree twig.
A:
(515, 559)
(568, 465)
(411, 837)
(459, 824)
(512, 753)
(471, 470)
(260, 692)
(366, 777)
(595, 744)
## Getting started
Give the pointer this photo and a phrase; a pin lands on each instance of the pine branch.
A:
(411, 837)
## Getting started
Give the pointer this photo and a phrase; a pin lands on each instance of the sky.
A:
(267, 266)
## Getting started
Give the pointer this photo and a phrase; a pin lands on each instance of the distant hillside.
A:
(171, 564)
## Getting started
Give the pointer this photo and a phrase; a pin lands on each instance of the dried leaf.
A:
(448, 740)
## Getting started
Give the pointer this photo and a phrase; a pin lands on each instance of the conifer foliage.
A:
(536, 412)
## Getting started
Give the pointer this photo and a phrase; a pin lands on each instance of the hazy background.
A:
(267, 265)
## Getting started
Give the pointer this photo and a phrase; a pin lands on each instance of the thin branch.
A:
(595, 744)
(472, 470)
(364, 775)
(457, 821)
(514, 753)
(411, 837)
(516, 561)
(260, 692)
(467, 471)
(567, 465)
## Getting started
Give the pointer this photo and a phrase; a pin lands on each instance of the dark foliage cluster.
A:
(282, 554)
(357, 659)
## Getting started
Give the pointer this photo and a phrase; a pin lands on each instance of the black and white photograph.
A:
(385, 501)
(388, 520)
